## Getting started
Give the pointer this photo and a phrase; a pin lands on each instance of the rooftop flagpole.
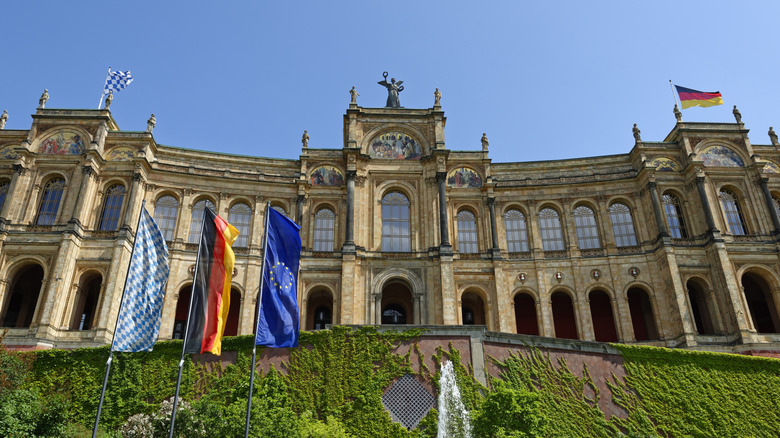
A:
(100, 102)
(257, 319)
(116, 324)
(674, 94)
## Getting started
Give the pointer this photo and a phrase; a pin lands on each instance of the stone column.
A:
(493, 227)
(131, 201)
(705, 202)
(659, 218)
(299, 207)
(770, 204)
(19, 170)
(441, 179)
(377, 308)
(349, 237)
(86, 173)
(417, 298)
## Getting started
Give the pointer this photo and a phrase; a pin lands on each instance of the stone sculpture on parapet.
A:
(151, 123)
(305, 138)
(677, 113)
(393, 88)
(43, 99)
(737, 115)
(353, 96)
(109, 99)
(773, 136)
(485, 142)
(4, 118)
(637, 133)
(436, 98)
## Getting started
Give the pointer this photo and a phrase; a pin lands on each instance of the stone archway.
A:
(22, 301)
(401, 288)
(397, 307)
(85, 306)
(761, 304)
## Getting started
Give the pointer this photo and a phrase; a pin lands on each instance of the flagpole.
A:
(100, 102)
(674, 95)
(257, 319)
(116, 324)
(187, 326)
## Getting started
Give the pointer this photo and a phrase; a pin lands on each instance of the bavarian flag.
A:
(690, 97)
(210, 300)
(278, 321)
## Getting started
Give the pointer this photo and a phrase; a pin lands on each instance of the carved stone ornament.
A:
(596, 274)
(559, 276)
(235, 272)
(522, 277)
(634, 271)
(191, 270)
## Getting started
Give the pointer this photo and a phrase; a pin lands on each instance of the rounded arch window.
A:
(165, 211)
(196, 223)
(731, 209)
(467, 232)
(50, 201)
(112, 207)
(587, 230)
(324, 229)
(550, 229)
(396, 229)
(622, 225)
(4, 185)
(240, 216)
(674, 216)
(516, 231)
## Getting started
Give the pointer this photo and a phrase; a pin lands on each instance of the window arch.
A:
(3, 192)
(324, 229)
(516, 231)
(587, 230)
(112, 208)
(240, 216)
(674, 216)
(396, 229)
(50, 201)
(734, 220)
(279, 209)
(467, 232)
(622, 225)
(196, 223)
(550, 229)
(165, 211)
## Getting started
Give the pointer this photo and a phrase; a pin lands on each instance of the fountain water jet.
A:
(454, 420)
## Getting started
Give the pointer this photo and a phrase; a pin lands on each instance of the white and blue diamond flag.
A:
(139, 318)
(117, 81)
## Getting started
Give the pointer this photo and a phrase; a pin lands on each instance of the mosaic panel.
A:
(720, 156)
(7, 153)
(121, 154)
(665, 164)
(771, 167)
(463, 177)
(63, 143)
(326, 176)
(395, 146)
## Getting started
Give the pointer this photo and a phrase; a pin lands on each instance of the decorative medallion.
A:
(596, 274)
(235, 272)
(463, 177)
(121, 154)
(191, 270)
(395, 145)
(559, 276)
(665, 164)
(720, 156)
(63, 143)
(634, 271)
(522, 277)
(326, 176)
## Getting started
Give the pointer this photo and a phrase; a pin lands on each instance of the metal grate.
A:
(408, 401)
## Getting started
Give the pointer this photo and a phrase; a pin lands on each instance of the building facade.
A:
(673, 243)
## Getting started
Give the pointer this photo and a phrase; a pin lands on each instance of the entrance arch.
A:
(700, 307)
(641, 315)
(761, 304)
(23, 297)
(526, 321)
(319, 309)
(563, 316)
(397, 304)
(182, 308)
(602, 316)
(85, 305)
(472, 309)
(406, 295)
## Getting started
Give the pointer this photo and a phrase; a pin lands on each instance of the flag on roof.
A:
(690, 97)
(139, 318)
(210, 300)
(117, 81)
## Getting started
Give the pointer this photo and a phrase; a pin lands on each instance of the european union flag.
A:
(278, 323)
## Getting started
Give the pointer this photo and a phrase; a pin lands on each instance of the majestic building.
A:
(673, 243)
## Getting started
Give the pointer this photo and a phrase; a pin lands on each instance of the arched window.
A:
(240, 216)
(165, 211)
(734, 219)
(587, 231)
(622, 225)
(112, 207)
(674, 217)
(516, 231)
(279, 209)
(467, 232)
(396, 230)
(324, 229)
(550, 229)
(85, 306)
(196, 223)
(3, 193)
(50, 201)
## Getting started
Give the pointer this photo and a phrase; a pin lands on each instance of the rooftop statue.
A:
(4, 118)
(43, 99)
(393, 88)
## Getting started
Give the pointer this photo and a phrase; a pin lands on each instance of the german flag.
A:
(210, 300)
(690, 97)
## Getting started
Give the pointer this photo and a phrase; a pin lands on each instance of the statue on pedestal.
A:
(485, 142)
(677, 113)
(109, 99)
(436, 98)
(353, 95)
(151, 123)
(305, 137)
(393, 88)
(637, 133)
(43, 99)
(4, 118)
(737, 114)
(773, 136)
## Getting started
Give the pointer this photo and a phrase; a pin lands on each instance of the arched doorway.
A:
(319, 309)
(641, 315)
(397, 304)
(700, 308)
(602, 316)
(472, 309)
(85, 306)
(182, 308)
(234, 313)
(760, 303)
(563, 316)
(23, 297)
(525, 315)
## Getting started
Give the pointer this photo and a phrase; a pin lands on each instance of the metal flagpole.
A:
(187, 326)
(674, 95)
(100, 102)
(257, 319)
(111, 349)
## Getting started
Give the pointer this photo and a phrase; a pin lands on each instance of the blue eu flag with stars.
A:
(278, 323)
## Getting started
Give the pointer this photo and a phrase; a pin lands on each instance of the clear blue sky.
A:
(545, 80)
